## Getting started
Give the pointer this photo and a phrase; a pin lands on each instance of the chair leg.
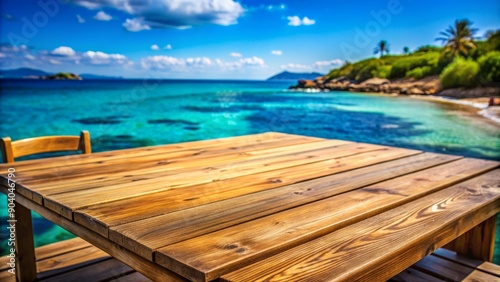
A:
(25, 247)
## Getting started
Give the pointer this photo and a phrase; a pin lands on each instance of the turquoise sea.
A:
(133, 113)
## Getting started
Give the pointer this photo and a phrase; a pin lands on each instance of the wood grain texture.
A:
(101, 271)
(190, 171)
(479, 276)
(93, 174)
(185, 224)
(55, 169)
(144, 164)
(25, 245)
(479, 242)
(87, 255)
(48, 251)
(413, 275)
(101, 216)
(134, 277)
(213, 254)
(204, 172)
(384, 245)
(490, 268)
(442, 268)
(145, 267)
(72, 160)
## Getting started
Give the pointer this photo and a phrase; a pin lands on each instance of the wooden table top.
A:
(206, 209)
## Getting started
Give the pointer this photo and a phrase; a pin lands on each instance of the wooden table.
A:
(267, 206)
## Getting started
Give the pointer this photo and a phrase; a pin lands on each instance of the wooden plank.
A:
(490, 268)
(211, 255)
(453, 256)
(144, 151)
(477, 243)
(7, 276)
(50, 250)
(187, 177)
(147, 268)
(442, 268)
(69, 261)
(25, 246)
(104, 171)
(101, 216)
(189, 169)
(179, 158)
(53, 168)
(134, 277)
(211, 217)
(479, 276)
(413, 275)
(384, 245)
(101, 271)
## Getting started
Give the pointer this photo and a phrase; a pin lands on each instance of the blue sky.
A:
(247, 39)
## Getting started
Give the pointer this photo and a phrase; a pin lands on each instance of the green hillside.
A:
(462, 62)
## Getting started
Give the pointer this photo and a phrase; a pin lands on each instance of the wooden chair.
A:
(25, 249)
(46, 144)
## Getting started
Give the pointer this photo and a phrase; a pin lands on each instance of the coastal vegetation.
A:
(463, 61)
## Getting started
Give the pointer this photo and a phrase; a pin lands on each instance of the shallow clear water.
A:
(133, 113)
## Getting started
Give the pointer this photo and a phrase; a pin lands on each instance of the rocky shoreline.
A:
(429, 87)
(405, 86)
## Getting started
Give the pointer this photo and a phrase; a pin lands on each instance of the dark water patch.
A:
(171, 121)
(283, 98)
(101, 120)
(333, 123)
(191, 127)
(116, 142)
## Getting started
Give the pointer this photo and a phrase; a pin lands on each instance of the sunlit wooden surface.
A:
(264, 206)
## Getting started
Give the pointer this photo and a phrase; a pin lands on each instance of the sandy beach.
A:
(478, 106)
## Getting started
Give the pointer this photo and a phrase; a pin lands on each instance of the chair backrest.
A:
(46, 144)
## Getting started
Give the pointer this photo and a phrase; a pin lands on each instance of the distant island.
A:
(286, 75)
(28, 73)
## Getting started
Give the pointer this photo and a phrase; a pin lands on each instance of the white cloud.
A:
(2, 55)
(172, 13)
(292, 66)
(168, 47)
(308, 21)
(102, 16)
(101, 58)
(63, 51)
(63, 55)
(321, 66)
(296, 21)
(199, 61)
(155, 47)
(277, 52)
(235, 54)
(253, 61)
(135, 25)
(331, 63)
(80, 19)
(54, 62)
(190, 64)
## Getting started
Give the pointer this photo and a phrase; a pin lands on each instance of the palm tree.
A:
(382, 47)
(406, 50)
(458, 39)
